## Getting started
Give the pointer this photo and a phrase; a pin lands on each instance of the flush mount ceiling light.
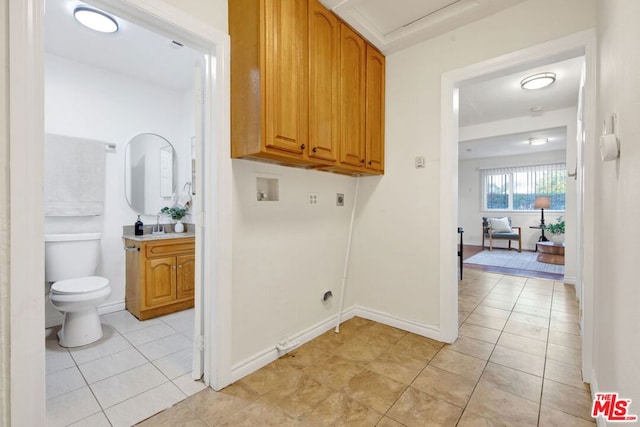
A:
(96, 20)
(538, 141)
(538, 81)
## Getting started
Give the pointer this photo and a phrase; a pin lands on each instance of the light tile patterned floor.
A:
(135, 371)
(516, 363)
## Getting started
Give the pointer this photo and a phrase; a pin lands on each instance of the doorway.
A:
(570, 46)
(26, 104)
(516, 144)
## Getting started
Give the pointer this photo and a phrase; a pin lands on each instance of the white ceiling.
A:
(502, 98)
(390, 25)
(132, 50)
(395, 25)
(513, 144)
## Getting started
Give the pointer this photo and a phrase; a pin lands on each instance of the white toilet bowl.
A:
(78, 299)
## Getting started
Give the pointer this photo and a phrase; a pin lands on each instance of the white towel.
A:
(74, 172)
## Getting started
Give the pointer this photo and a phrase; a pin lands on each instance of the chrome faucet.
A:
(157, 229)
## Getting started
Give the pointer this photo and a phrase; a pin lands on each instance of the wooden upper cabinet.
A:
(375, 110)
(324, 68)
(352, 97)
(285, 74)
(300, 92)
(269, 67)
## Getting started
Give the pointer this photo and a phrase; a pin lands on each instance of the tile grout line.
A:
(494, 346)
(150, 362)
(546, 350)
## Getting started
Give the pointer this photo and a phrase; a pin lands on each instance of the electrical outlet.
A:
(339, 199)
(420, 162)
(313, 199)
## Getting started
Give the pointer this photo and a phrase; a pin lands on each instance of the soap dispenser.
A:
(139, 227)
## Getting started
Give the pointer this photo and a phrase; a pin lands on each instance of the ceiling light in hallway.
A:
(538, 141)
(538, 81)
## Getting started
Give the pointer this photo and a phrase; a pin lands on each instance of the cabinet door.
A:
(186, 276)
(285, 75)
(160, 281)
(324, 66)
(375, 110)
(352, 97)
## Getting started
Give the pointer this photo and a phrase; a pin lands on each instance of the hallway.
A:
(516, 363)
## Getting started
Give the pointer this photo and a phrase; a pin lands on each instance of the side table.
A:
(550, 252)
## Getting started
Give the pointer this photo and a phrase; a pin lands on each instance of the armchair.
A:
(500, 229)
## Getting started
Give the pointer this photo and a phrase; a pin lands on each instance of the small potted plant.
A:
(177, 213)
(556, 230)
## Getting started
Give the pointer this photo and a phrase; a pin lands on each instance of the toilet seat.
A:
(80, 285)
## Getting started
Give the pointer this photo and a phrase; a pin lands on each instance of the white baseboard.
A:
(423, 329)
(111, 307)
(570, 280)
(600, 421)
(268, 355)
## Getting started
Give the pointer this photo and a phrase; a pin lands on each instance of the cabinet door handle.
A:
(362, 161)
(302, 147)
(180, 266)
(131, 249)
(370, 161)
(174, 267)
(315, 149)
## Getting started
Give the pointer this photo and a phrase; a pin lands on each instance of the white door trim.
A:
(580, 43)
(26, 229)
(26, 137)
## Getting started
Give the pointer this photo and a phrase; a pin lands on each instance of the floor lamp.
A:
(541, 203)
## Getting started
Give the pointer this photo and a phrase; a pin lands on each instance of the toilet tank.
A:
(67, 256)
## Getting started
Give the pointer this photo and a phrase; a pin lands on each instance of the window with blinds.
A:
(516, 188)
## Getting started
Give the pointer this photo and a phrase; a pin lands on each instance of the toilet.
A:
(70, 265)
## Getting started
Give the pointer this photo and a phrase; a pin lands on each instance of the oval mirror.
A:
(149, 169)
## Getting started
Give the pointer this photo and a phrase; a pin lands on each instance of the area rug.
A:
(513, 259)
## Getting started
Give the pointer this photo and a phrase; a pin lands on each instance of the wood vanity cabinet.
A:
(160, 276)
(304, 88)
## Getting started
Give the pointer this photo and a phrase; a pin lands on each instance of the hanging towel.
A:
(74, 176)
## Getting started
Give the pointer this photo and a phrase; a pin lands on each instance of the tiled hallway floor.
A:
(136, 370)
(515, 363)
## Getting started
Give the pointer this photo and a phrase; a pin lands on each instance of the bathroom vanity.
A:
(160, 273)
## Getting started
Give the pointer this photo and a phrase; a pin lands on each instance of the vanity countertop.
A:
(161, 236)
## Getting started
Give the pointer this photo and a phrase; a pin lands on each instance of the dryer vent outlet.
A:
(326, 296)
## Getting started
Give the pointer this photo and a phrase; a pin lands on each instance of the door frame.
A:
(581, 43)
(26, 138)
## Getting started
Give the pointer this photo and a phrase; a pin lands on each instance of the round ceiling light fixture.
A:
(95, 19)
(538, 81)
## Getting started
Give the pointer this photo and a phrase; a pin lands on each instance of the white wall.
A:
(285, 254)
(617, 336)
(213, 12)
(396, 252)
(5, 201)
(114, 108)
(470, 198)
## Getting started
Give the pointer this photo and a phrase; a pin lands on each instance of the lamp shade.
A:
(542, 202)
